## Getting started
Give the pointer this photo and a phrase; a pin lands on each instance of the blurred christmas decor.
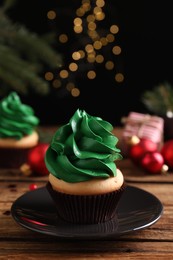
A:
(139, 126)
(146, 155)
(24, 55)
(138, 150)
(159, 101)
(35, 161)
(153, 162)
(142, 142)
(167, 153)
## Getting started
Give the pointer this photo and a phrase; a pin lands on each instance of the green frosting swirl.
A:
(83, 149)
(16, 119)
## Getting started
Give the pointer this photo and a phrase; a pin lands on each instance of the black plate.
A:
(137, 210)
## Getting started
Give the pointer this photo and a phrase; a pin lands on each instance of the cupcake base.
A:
(86, 209)
(13, 158)
(14, 153)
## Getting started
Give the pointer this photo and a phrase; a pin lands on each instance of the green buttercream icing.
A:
(83, 149)
(16, 119)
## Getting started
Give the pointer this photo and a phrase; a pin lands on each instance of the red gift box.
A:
(142, 126)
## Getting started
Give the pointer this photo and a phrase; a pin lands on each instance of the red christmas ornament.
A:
(153, 162)
(33, 186)
(36, 159)
(167, 153)
(137, 151)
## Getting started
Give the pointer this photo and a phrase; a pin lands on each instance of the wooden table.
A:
(154, 242)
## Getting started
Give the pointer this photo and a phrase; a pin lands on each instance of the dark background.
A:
(146, 39)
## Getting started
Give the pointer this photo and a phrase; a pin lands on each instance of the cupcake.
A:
(83, 180)
(17, 131)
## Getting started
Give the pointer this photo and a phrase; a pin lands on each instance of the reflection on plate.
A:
(137, 210)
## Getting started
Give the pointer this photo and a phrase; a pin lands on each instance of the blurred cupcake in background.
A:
(18, 134)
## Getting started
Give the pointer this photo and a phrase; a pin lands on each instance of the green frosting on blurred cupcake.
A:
(16, 119)
(83, 149)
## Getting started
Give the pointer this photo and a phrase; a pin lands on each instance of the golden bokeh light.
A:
(91, 57)
(75, 92)
(97, 45)
(63, 74)
(100, 3)
(70, 86)
(91, 74)
(86, 5)
(78, 29)
(97, 10)
(109, 65)
(92, 26)
(80, 12)
(90, 18)
(110, 37)
(99, 58)
(116, 50)
(100, 16)
(89, 48)
(51, 15)
(56, 83)
(73, 66)
(114, 29)
(93, 35)
(119, 77)
(77, 21)
(49, 76)
(82, 54)
(63, 38)
(76, 55)
(104, 41)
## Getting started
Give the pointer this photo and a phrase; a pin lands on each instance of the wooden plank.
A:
(10, 191)
(91, 256)
(87, 250)
(17, 175)
(88, 246)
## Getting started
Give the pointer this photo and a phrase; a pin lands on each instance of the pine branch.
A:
(160, 99)
(24, 56)
(37, 49)
(20, 74)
